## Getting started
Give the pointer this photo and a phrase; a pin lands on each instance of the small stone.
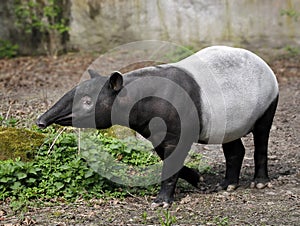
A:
(2, 213)
(260, 185)
(272, 157)
(231, 187)
(185, 200)
(166, 205)
(281, 178)
(154, 205)
(225, 193)
(206, 147)
(273, 128)
(252, 185)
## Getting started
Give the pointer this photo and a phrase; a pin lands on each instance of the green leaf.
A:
(31, 180)
(57, 174)
(65, 167)
(88, 174)
(34, 170)
(21, 175)
(16, 185)
(5, 179)
(59, 185)
(67, 180)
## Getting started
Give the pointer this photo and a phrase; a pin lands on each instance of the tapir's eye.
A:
(87, 101)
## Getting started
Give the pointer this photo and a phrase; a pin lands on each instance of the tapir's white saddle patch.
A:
(236, 88)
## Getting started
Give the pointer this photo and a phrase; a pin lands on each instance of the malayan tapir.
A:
(216, 95)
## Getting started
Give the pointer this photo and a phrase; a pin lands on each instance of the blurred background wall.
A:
(98, 25)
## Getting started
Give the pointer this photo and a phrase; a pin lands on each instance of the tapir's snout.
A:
(60, 113)
(41, 123)
(47, 119)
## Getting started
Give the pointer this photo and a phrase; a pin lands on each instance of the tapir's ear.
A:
(93, 73)
(116, 81)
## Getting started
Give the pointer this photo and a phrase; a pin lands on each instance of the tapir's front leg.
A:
(171, 171)
(166, 194)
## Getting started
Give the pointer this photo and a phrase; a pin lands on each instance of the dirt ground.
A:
(30, 85)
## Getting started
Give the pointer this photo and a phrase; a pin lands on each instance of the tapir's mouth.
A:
(65, 120)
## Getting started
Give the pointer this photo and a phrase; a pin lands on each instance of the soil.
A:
(29, 85)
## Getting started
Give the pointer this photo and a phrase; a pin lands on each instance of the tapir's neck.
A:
(150, 93)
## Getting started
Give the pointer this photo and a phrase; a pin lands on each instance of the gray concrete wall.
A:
(103, 24)
(5, 23)
(257, 23)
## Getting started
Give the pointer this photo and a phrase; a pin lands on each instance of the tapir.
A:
(215, 96)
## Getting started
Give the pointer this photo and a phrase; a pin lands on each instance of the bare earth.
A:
(29, 85)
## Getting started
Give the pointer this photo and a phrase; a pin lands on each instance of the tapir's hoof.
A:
(164, 205)
(225, 186)
(260, 185)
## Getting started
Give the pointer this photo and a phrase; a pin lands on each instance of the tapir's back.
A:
(236, 88)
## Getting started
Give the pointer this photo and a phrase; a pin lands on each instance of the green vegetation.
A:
(295, 15)
(58, 171)
(221, 221)
(7, 49)
(129, 150)
(179, 53)
(144, 217)
(43, 18)
(292, 50)
(8, 122)
(41, 166)
(196, 161)
(136, 164)
(292, 13)
(167, 219)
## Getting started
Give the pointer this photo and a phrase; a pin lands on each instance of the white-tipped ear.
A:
(93, 73)
(116, 81)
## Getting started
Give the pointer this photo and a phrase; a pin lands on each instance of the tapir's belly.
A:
(236, 87)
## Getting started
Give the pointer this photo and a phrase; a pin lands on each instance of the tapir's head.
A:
(79, 106)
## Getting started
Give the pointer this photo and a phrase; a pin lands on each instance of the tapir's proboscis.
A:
(217, 95)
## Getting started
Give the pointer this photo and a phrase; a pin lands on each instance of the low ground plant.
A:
(58, 171)
(63, 168)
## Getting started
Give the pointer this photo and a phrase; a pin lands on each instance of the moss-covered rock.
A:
(119, 132)
(18, 142)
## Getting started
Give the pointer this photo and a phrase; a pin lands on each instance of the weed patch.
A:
(63, 173)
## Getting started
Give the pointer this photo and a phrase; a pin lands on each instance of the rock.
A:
(119, 132)
(16, 142)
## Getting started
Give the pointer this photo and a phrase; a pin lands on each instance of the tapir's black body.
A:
(182, 121)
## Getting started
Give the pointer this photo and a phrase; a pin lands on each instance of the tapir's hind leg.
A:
(234, 152)
(261, 133)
